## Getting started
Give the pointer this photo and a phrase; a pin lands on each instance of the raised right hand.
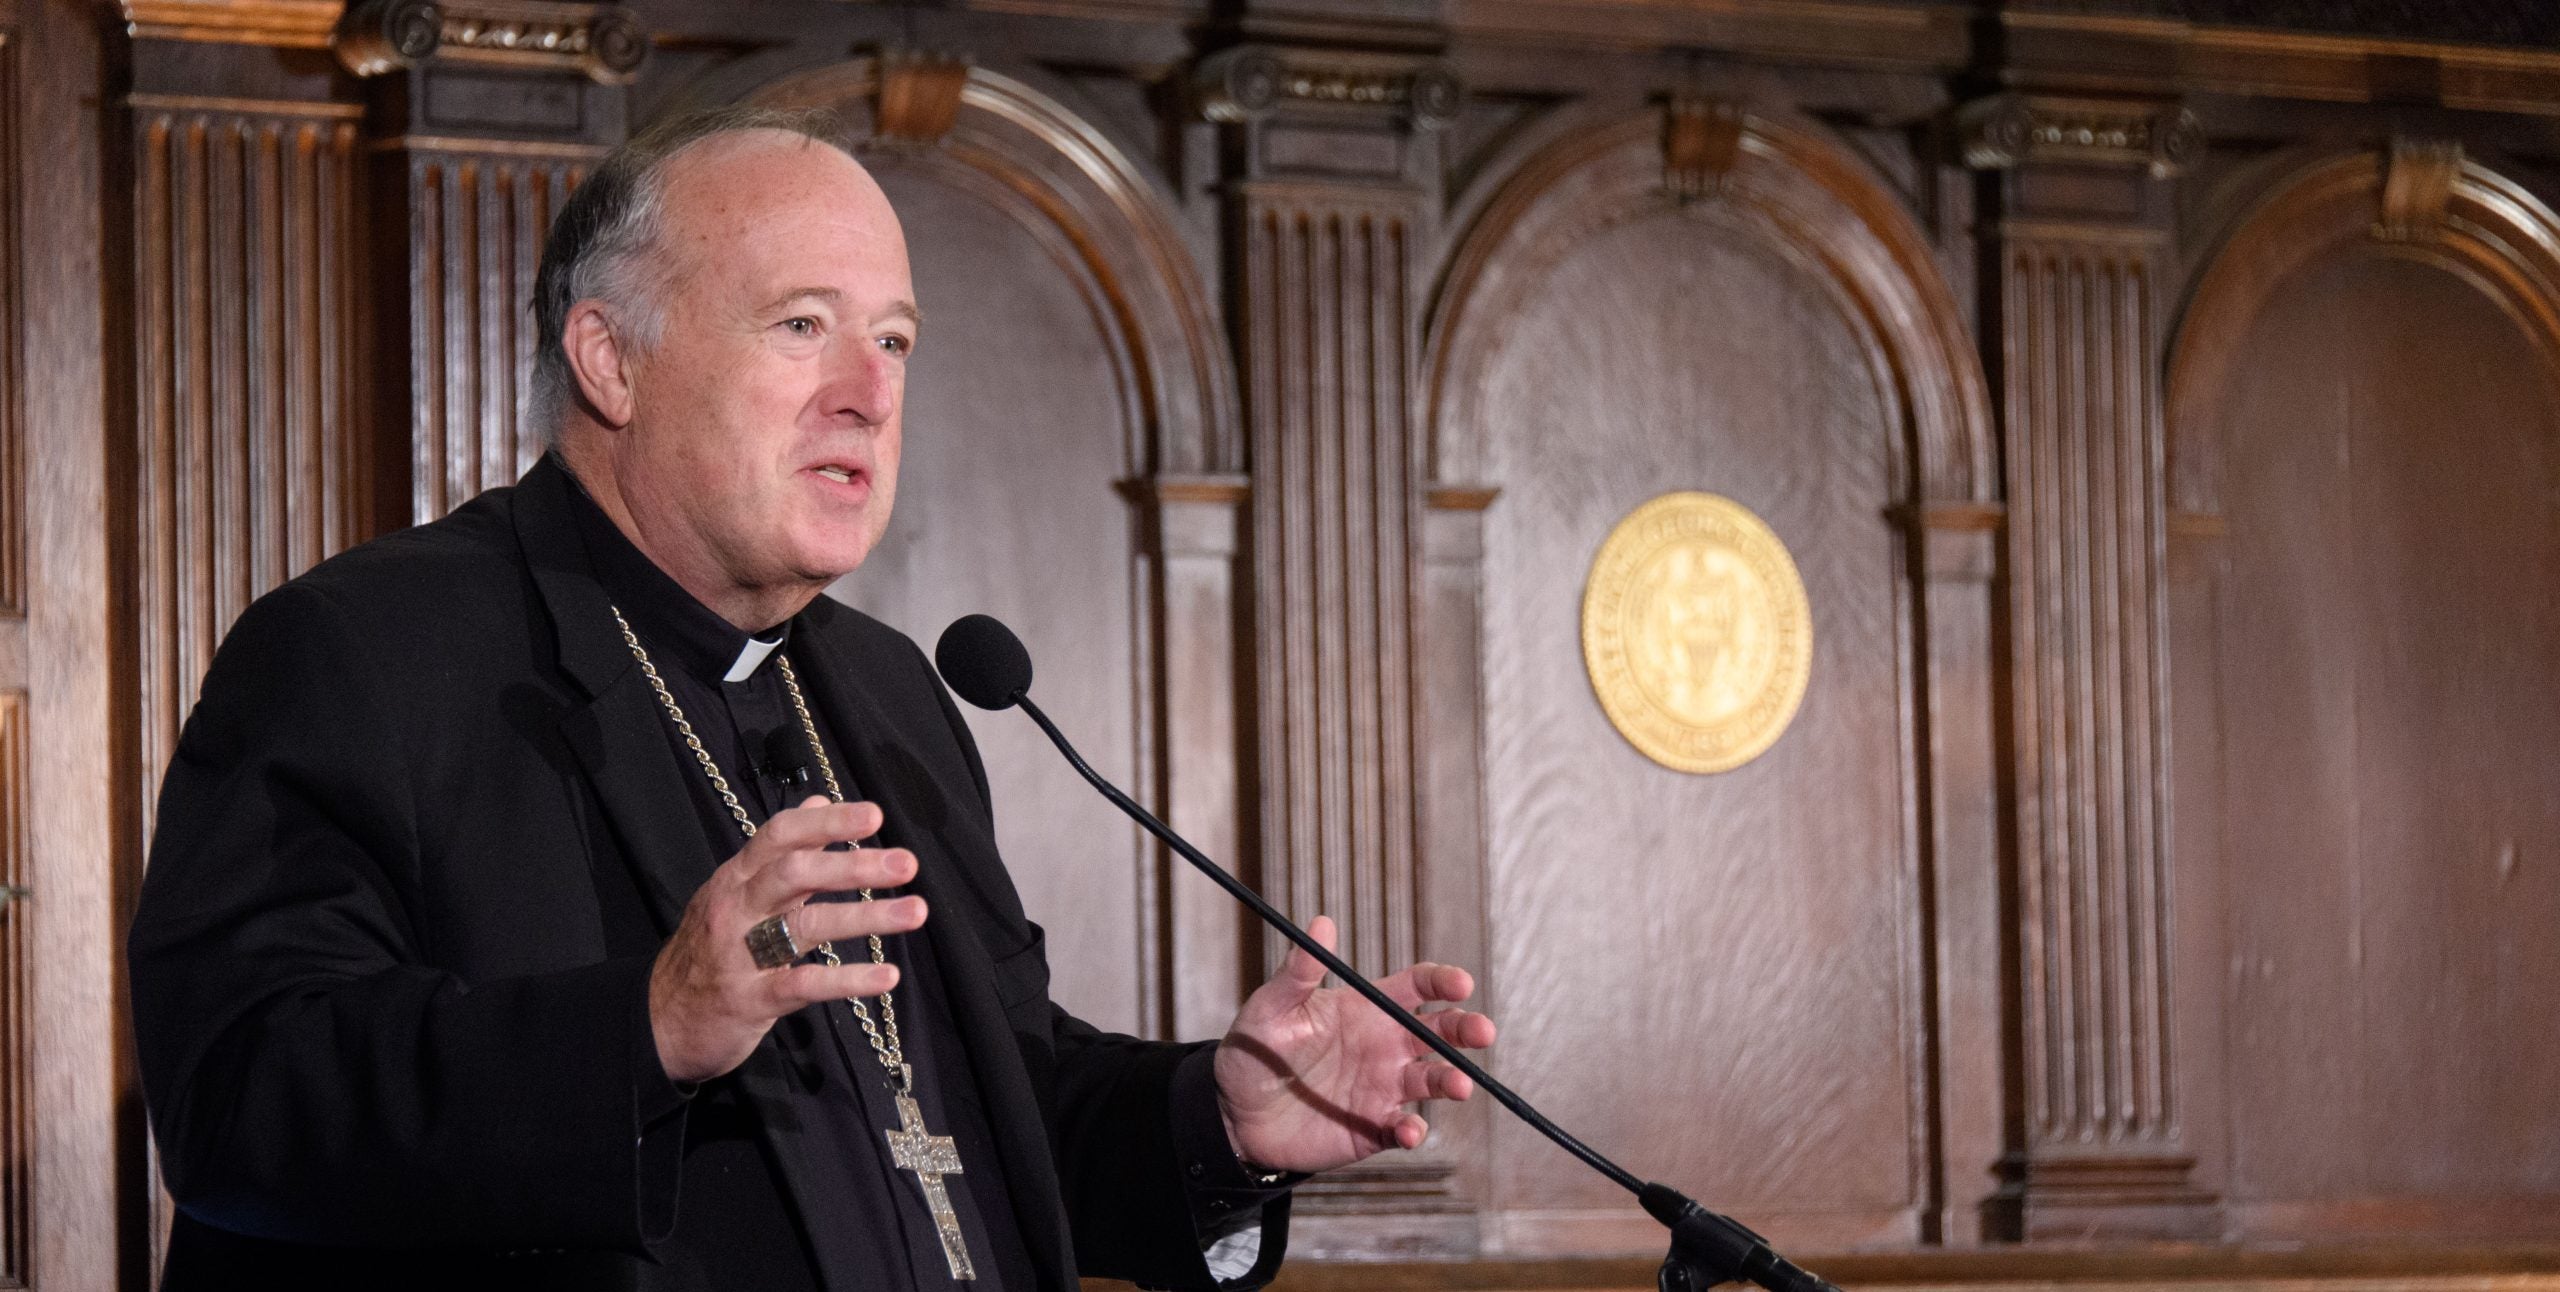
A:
(708, 1002)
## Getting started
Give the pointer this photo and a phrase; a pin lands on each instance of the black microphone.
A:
(984, 663)
(788, 760)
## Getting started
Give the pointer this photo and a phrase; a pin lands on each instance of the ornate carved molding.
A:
(289, 24)
(1787, 171)
(2417, 190)
(1701, 138)
(1246, 82)
(599, 41)
(2497, 228)
(2018, 129)
(919, 96)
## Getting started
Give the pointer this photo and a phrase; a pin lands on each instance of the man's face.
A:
(762, 451)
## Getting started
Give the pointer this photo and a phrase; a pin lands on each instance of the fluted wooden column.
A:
(250, 462)
(487, 113)
(2078, 250)
(250, 455)
(1332, 192)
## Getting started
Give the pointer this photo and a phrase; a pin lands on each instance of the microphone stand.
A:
(1706, 1248)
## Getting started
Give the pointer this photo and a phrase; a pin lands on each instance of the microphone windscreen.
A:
(983, 662)
(787, 756)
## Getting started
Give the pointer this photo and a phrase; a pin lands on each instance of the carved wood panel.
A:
(2080, 327)
(2385, 664)
(1329, 349)
(249, 462)
(1658, 936)
(1584, 357)
(477, 220)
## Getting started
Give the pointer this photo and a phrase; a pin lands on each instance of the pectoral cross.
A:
(931, 1157)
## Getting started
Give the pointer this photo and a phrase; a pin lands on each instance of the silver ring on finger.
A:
(771, 944)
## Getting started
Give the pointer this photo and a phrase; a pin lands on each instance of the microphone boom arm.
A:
(1706, 1249)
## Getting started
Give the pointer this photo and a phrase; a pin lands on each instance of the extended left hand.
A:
(1313, 1077)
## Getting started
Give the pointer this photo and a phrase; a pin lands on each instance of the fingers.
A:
(1428, 982)
(1465, 1029)
(787, 990)
(844, 921)
(787, 862)
(1435, 1080)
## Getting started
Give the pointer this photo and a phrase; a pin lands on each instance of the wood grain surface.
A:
(1283, 414)
(2389, 657)
(1693, 964)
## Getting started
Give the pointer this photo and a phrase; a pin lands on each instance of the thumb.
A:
(1304, 971)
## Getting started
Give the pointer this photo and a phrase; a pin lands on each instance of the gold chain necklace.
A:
(892, 1055)
(912, 1147)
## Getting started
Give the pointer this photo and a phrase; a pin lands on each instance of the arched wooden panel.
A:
(1016, 433)
(2367, 436)
(1068, 391)
(1725, 978)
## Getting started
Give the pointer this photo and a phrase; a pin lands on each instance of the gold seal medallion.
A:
(1696, 632)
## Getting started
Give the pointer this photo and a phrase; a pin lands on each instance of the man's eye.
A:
(801, 326)
(896, 344)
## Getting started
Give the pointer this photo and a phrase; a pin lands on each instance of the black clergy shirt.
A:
(862, 1223)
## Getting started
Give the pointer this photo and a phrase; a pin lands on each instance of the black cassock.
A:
(423, 835)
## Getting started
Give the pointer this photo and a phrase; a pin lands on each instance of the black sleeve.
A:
(310, 1077)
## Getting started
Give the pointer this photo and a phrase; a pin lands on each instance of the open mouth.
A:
(841, 475)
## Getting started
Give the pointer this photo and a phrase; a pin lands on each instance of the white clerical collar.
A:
(752, 657)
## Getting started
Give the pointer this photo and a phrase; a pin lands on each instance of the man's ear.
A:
(601, 361)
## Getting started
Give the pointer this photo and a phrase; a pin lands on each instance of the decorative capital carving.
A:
(1243, 83)
(2417, 189)
(598, 40)
(2018, 129)
(297, 24)
(1701, 139)
(918, 98)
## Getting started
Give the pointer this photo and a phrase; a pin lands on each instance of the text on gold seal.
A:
(1696, 632)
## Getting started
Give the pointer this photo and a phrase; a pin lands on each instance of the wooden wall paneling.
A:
(67, 1191)
(1198, 524)
(251, 465)
(477, 214)
(1957, 559)
(2078, 251)
(17, 1111)
(2365, 687)
(1332, 157)
(1855, 268)
(484, 115)
(249, 459)
(1153, 694)
(1448, 701)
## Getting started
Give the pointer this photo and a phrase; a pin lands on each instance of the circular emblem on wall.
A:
(1696, 632)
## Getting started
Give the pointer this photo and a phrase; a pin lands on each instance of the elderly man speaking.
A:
(500, 928)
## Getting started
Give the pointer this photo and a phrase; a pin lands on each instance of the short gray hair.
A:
(603, 245)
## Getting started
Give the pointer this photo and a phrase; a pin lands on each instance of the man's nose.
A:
(863, 383)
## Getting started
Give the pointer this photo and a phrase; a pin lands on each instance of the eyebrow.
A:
(896, 309)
